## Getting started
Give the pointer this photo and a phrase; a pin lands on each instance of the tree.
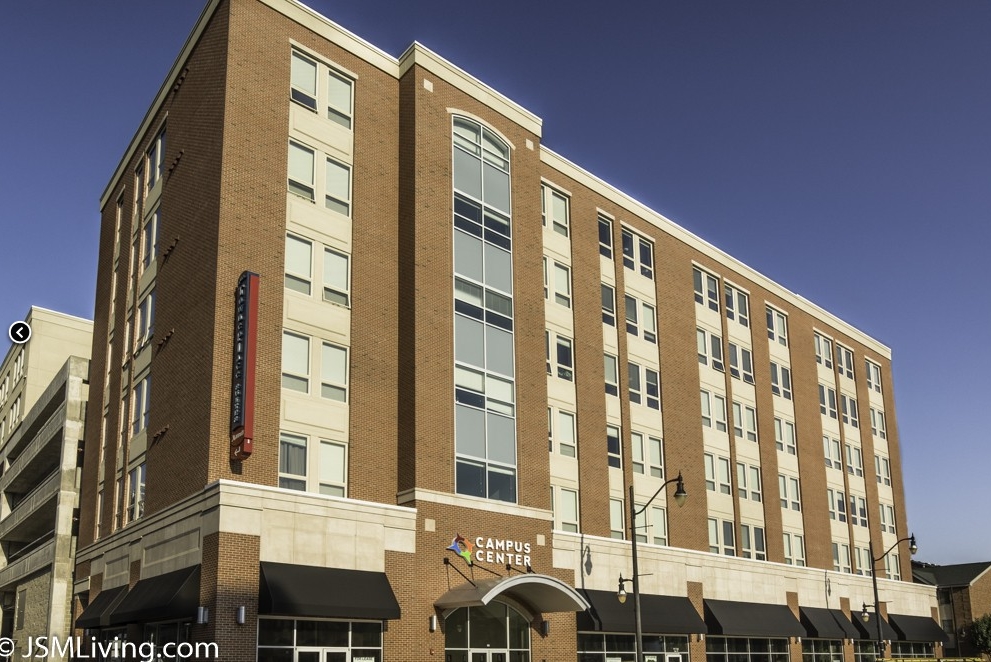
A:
(981, 634)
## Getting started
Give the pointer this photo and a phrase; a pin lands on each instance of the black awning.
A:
(918, 628)
(174, 595)
(826, 623)
(97, 613)
(303, 590)
(868, 630)
(659, 614)
(751, 619)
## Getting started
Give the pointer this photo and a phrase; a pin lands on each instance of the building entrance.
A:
(493, 633)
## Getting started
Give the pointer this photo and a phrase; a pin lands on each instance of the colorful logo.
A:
(462, 548)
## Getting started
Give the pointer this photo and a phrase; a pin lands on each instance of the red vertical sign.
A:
(243, 372)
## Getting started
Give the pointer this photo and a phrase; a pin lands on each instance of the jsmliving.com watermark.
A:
(83, 648)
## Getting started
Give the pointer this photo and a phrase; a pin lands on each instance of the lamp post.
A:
(912, 548)
(679, 498)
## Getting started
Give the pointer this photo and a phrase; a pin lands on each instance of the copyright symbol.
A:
(6, 646)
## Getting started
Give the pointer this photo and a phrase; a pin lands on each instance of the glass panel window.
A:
(299, 258)
(878, 426)
(777, 326)
(638, 253)
(339, 99)
(336, 278)
(295, 362)
(611, 374)
(301, 160)
(781, 381)
(149, 239)
(292, 461)
(844, 361)
(613, 447)
(566, 509)
(831, 449)
(608, 305)
(140, 407)
(827, 401)
(616, 519)
(338, 193)
(851, 415)
(334, 373)
(737, 305)
(303, 81)
(824, 351)
(333, 468)
(605, 236)
(136, 493)
(873, 376)
(555, 209)
(562, 285)
(706, 289)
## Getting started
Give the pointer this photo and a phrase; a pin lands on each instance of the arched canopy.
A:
(538, 593)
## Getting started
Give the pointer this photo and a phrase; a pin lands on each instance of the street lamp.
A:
(865, 615)
(679, 498)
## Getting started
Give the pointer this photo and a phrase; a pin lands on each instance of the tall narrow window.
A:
(336, 279)
(292, 461)
(605, 237)
(295, 362)
(299, 257)
(301, 160)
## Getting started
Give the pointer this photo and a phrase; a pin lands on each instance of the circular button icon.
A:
(19, 332)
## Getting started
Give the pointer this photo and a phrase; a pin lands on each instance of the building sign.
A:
(501, 551)
(243, 373)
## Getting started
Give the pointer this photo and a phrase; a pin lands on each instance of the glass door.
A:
(489, 656)
(307, 655)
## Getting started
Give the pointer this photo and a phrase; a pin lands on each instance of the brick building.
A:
(963, 591)
(401, 290)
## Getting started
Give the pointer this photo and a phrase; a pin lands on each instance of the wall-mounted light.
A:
(545, 628)
(202, 615)
(240, 615)
(432, 623)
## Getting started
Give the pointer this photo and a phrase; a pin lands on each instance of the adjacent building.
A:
(323, 428)
(963, 591)
(44, 385)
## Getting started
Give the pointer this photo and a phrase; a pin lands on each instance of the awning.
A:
(97, 613)
(541, 594)
(172, 596)
(751, 619)
(868, 630)
(826, 623)
(659, 614)
(286, 589)
(918, 628)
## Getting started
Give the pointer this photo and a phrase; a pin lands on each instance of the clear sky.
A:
(842, 148)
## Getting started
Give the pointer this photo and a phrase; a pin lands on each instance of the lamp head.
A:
(912, 547)
(621, 593)
(679, 493)
(865, 615)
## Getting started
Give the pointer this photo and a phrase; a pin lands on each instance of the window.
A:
(713, 410)
(722, 539)
(849, 407)
(608, 305)
(752, 542)
(824, 351)
(563, 433)
(887, 518)
(338, 195)
(565, 508)
(616, 526)
(841, 558)
(141, 405)
(741, 363)
(145, 326)
(155, 160)
(613, 447)
(744, 421)
(301, 162)
(652, 382)
(737, 305)
(561, 361)
(863, 556)
(335, 93)
(605, 236)
(873, 376)
(827, 401)
(647, 458)
(611, 374)
(295, 362)
(336, 278)
(555, 210)
(748, 482)
(858, 510)
(638, 250)
(710, 349)
(706, 289)
(658, 526)
(854, 461)
(299, 257)
(844, 361)
(334, 373)
(794, 549)
(136, 493)
(639, 314)
(562, 284)
(878, 427)
(302, 178)
(717, 474)
(781, 382)
(777, 326)
(882, 469)
(831, 449)
(893, 567)
(791, 497)
(784, 436)
(149, 239)
(837, 504)
(333, 468)
(292, 462)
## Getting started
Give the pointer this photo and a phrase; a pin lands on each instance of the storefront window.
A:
(167, 633)
(863, 651)
(283, 640)
(599, 647)
(739, 649)
(822, 650)
(912, 649)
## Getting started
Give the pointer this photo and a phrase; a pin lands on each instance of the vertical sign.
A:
(243, 374)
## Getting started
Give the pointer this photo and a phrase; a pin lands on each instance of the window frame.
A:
(322, 96)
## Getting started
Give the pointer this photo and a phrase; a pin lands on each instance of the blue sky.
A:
(842, 148)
